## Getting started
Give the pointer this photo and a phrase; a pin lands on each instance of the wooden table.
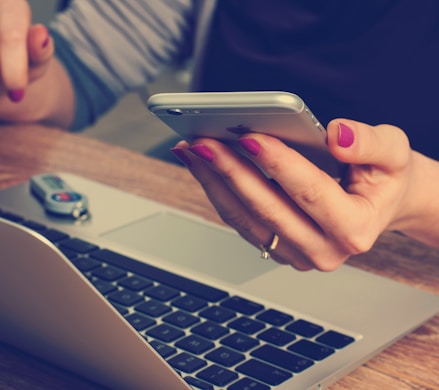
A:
(412, 363)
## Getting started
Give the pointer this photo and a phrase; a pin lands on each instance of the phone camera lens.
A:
(174, 111)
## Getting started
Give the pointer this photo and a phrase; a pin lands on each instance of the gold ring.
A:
(266, 249)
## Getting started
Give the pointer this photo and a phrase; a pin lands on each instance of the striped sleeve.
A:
(119, 46)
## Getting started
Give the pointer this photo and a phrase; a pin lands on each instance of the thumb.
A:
(384, 146)
(40, 48)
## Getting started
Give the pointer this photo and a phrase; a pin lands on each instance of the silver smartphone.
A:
(228, 115)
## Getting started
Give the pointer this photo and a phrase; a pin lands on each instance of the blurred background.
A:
(129, 124)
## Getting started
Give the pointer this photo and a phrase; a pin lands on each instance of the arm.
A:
(320, 222)
(421, 219)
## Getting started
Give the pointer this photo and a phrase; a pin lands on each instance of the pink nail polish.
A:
(16, 95)
(181, 155)
(203, 152)
(345, 135)
(47, 39)
(45, 42)
(250, 145)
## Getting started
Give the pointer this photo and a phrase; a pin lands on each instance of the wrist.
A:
(419, 212)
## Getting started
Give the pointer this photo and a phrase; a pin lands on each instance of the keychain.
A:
(58, 197)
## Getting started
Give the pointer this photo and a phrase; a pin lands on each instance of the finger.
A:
(314, 192)
(383, 147)
(263, 202)
(40, 45)
(228, 205)
(288, 254)
(41, 50)
(15, 18)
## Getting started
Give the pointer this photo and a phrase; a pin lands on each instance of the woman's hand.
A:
(320, 222)
(33, 85)
(25, 50)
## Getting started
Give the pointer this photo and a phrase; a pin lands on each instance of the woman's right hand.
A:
(26, 52)
(320, 223)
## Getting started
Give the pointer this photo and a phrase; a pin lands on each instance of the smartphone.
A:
(228, 115)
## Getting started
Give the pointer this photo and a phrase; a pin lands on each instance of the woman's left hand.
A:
(320, 222)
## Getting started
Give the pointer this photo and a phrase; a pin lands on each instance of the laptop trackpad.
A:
(194, 245)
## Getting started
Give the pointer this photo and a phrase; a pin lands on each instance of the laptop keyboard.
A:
(213, 339)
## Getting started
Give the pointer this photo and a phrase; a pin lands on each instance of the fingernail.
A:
(203, 152)
(345, 135)
(181, 155)
(16, 95)
(250, 145)
(45, 42)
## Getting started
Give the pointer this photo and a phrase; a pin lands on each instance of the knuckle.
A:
(273, 164)
(309, 194)
(240, 223)
(228, 173)
(328, 263)
(350, 245)
(356, 244)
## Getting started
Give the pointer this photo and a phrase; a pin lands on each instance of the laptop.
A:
(145, 296)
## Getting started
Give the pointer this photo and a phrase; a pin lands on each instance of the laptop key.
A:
(135, 283)
(162, 293)
(210, 330)
(335, 339)
(103, 286)
(12, 217)
(34, 225)
(195, 344)
(164, 350)
(305, 328)
(139, 321)
(125, 298)
(165, 333)
(218, 376)
(181, 319)
(225, 356)
(109, 273)
(240, 342)
(122, 310)
(242, 305)
(187, 363)
(198, 383)
(217, 314)
(54, 235)
(189, 303)
(310, 349)
(276, 336)
(264, 372)
(77, 245)
(153, 308)
(85, 264)
(248, 384)
(246, 325)
(281, 358)
(69, 253)
(275, 317)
